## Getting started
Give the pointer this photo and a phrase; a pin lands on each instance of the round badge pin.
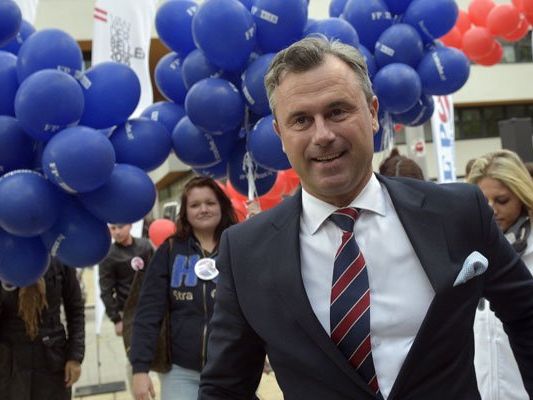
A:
(8, 287)
(205, 268)
(137, 263)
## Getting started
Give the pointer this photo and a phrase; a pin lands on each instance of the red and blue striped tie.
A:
(350, 300)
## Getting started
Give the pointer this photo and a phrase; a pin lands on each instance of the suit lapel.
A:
(291, 288)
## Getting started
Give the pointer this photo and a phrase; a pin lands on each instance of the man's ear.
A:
(374, 108)
(276, 129)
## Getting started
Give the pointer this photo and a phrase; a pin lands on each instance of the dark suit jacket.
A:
(261, 304)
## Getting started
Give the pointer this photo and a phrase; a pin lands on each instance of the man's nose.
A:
(323, 134)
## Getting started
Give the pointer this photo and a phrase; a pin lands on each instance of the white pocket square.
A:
(474, 265)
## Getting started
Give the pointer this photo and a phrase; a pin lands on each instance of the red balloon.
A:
(478, 11)
(240, 209)
(292, 179)
(527, 6)
(503, 19)
(494, 57)
(519, 32)
(160, 230)
(477, 43)
(529, 17)
(463, 21)
(518, 4)
(279, 188)
(267, 202)
(453, 38)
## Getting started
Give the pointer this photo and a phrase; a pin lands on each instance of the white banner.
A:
(122, 33)
(28, 9)
(443, 127)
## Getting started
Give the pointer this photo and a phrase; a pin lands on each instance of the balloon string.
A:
(387, 139)
(249, 169)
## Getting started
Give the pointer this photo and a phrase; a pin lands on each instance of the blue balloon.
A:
(217, 171)
(8, 82)
(29, 204)
(253, 85)
(13, 45)
(166, 113)
(397, 6)
(247, 3)
(369, 18)
(215, 105)
(443, 70)
(112, 92)
(400, 43)
(336, 7)
(279, 23)
(78, 239)
(141, 142)
(16, 148)
(432, 19)
(335, 28)
(200, 149)
(265, 146)
(22, 260)
(49, 48)
(169, 79)
(264, 178)
(196, 67)
(47, 102)
(173, 24)
(126, 197)
(398, 87)
(420, 113)
(224, 30)
(78, 159)
(10, 20)
(369, 60)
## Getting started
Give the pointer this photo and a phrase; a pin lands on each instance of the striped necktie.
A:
(350, 300)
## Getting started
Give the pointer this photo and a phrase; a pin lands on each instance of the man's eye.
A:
(337, 113)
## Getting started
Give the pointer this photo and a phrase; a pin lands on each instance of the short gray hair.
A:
(311, 52)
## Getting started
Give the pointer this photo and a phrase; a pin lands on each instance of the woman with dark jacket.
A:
(39, 360)
(180, 280)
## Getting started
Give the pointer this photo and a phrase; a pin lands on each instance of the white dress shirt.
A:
(400, 291)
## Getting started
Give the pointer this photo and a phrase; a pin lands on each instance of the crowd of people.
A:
(361, 285)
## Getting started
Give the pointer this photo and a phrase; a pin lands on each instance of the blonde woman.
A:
(508, 187)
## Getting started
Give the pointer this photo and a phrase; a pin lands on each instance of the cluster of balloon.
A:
(407, 63)
(62, 178)
(221, 49)
(476, 31)
(217, 108)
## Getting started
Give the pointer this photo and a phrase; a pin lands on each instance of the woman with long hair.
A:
(508, 187)
(180, 280)
(39, 360)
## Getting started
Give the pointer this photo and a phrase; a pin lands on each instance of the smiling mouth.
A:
(328, 157)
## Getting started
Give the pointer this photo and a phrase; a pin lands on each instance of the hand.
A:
(253, 208)
(142, 386)
(118, 328)
(72, 372)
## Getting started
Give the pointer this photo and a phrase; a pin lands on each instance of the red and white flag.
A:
(28, 8)
(122, 33)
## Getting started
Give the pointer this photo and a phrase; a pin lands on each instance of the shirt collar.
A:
(316, 211)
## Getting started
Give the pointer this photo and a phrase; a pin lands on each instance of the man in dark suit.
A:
(359, 286)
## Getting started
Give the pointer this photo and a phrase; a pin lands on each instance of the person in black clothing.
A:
(117, 271)
(38, 359)
(205, 212)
